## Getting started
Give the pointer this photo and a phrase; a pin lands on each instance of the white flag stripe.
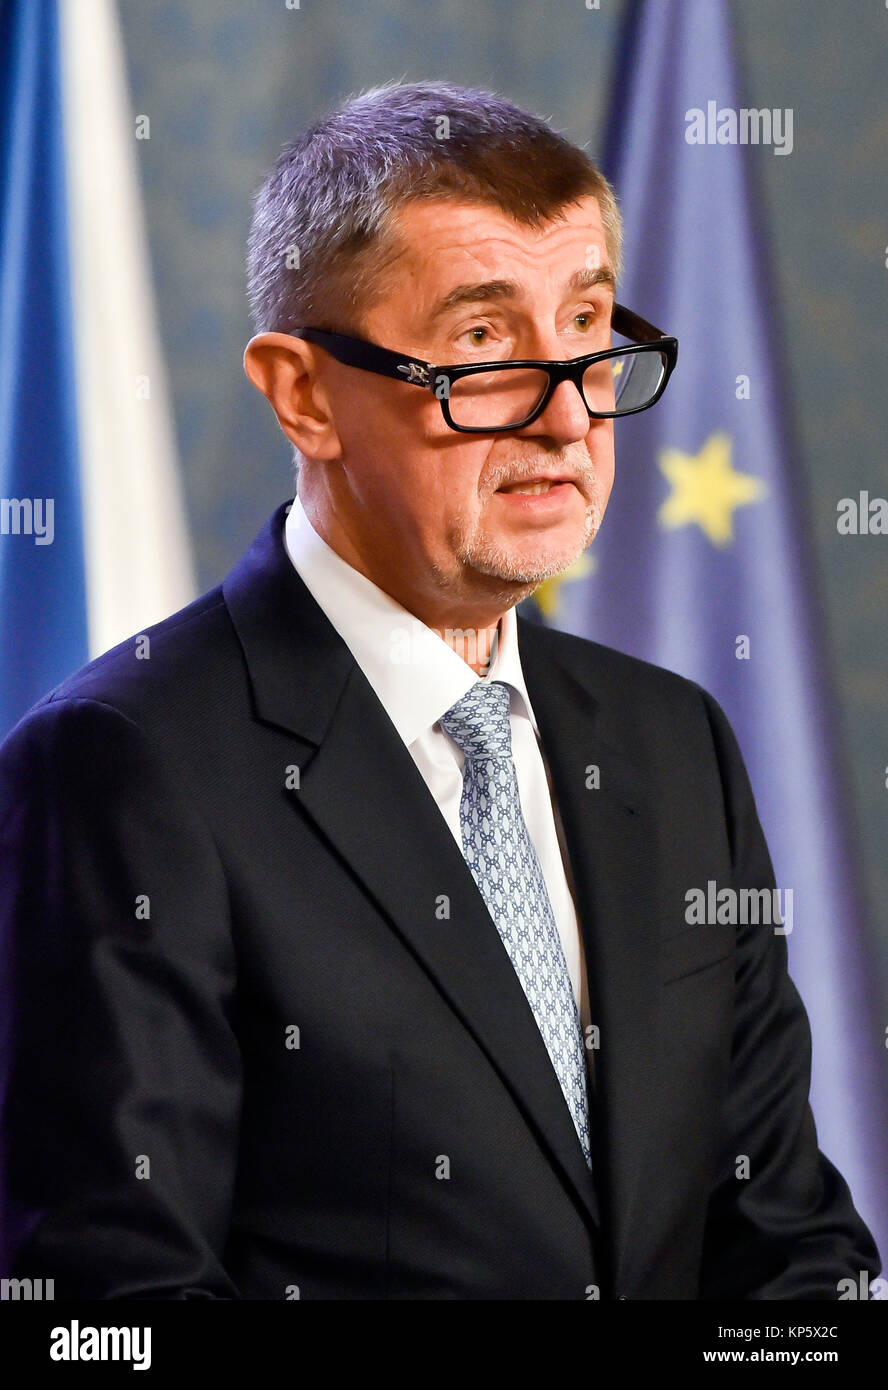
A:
(138, 560)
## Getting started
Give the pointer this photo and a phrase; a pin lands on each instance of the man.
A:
(345, 948)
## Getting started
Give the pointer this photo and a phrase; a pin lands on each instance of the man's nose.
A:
(565, 419)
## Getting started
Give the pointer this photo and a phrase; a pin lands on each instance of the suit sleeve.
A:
(120, 1074)
(789, 1230)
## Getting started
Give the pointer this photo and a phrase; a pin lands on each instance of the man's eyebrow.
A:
(486, 290)
(588, 279)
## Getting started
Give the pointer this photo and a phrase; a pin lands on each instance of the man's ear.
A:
(284, 369)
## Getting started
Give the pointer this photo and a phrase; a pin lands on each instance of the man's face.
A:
(432, 513)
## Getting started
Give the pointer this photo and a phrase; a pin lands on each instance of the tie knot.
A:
(479, 722)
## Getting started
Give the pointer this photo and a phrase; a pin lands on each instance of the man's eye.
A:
(472, 335)
(584, 320)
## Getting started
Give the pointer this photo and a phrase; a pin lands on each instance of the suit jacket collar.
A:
(305, 680)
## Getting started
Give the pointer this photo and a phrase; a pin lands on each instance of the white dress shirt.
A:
(417, 677)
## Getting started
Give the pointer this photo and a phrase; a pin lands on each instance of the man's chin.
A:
(526, 571)
(530, 564)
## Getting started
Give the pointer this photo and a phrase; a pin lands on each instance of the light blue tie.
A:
(504, 864)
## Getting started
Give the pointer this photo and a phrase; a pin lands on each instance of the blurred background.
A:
(133, 137)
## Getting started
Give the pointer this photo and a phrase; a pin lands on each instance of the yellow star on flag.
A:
(706, 489)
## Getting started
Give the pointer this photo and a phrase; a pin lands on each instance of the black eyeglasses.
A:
(484, 397)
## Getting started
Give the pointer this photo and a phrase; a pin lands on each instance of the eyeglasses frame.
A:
(369, 357)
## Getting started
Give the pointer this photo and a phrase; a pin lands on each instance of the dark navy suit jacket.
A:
(244, 1053)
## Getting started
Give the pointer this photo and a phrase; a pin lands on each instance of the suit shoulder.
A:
(612, 673)
(151, 672)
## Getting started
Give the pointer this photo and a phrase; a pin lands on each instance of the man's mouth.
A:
(534, 487)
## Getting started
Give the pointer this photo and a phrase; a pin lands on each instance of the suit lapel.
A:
(611, 850)
(363, 792)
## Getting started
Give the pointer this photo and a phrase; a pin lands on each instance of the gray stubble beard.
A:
(483, 556)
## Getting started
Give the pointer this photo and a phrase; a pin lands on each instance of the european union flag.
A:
(702, 563)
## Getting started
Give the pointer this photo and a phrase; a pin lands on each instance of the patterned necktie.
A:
(504, 864)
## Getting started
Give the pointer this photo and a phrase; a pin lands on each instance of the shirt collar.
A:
(415, 674)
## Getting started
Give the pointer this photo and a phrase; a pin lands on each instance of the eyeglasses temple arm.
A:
(634, 326)
(353, 352)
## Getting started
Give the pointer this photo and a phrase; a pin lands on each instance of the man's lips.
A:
(539, 484)
(552, 497)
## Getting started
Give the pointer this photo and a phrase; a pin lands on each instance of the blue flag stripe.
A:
(43, 634)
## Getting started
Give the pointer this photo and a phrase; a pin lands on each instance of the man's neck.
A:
(474, 645)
